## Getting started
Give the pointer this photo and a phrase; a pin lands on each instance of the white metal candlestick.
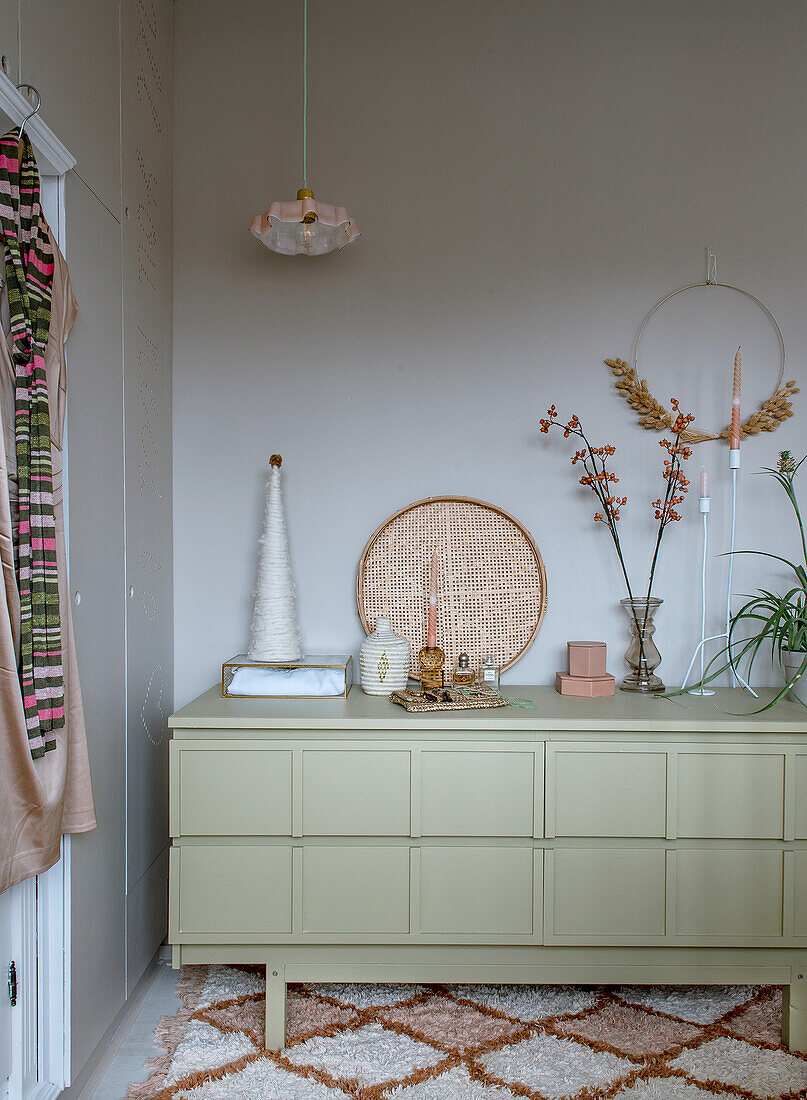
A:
(704, 503)
(699, 649)
(734, 465)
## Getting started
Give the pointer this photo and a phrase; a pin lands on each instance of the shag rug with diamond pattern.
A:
(472, 1042)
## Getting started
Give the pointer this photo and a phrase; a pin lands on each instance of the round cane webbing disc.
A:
(492, 580)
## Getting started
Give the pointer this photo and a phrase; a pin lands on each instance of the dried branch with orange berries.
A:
(600, 479)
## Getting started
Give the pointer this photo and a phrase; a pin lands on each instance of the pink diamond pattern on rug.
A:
(443, 1021)
(629, 1031)
(245, 1014)
(759, 1022)
(473, 1042)
(308, 1015)
(768, 1074)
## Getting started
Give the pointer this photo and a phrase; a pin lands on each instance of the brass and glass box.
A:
(318, 676)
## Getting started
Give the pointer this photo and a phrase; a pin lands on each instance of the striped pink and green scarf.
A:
(29, 278)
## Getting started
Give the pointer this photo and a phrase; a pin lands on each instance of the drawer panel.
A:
(231, 888)
(477, 890)
(483, 793)
(729, 893)
(230, 791)
(607, 793)
(800, 770)
(355, 889)
(725, 795)
(800, 894)
(612, 894)
(360, 792)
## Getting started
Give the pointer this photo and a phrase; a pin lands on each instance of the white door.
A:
(5, 1004)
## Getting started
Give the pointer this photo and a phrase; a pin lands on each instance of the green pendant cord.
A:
(305, 90)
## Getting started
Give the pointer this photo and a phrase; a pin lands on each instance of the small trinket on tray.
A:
(463, 673)
(489, 672)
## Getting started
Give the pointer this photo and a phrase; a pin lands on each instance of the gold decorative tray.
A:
(445, 699)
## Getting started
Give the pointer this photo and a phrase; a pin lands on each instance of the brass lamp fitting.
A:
(306, 193)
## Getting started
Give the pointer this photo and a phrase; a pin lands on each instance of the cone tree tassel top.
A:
(275, 635)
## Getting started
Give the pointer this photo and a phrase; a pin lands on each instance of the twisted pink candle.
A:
(431, 640)
(735, 404)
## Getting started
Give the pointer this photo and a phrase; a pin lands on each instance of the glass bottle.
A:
(463, 673)
(489, 673)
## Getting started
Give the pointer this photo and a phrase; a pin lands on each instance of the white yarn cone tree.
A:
(275, 635)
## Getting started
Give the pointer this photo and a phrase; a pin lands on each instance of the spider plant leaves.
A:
(799, 570)
(768, 620)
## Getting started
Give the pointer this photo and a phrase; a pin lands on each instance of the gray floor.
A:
(138, 1044)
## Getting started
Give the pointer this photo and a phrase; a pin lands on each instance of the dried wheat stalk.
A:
(655, 417)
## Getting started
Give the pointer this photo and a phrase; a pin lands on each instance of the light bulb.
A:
(307, 235)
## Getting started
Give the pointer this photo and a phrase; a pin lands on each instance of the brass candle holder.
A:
(431, 661)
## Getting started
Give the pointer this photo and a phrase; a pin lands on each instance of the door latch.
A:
(12, 983)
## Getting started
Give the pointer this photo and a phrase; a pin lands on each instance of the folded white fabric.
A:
(288, 682)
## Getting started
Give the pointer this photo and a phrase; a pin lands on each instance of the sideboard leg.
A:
(794, 1011)
(275, 1006)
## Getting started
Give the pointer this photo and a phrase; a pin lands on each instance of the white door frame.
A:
(41, 922)
(41, 1020)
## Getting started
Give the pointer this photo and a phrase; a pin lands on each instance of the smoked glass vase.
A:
(641, 656)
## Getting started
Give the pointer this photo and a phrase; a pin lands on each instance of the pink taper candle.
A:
(735, 404)
(704, 493)
(431, 640)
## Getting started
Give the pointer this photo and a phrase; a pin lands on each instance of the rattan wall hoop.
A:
(493, 589)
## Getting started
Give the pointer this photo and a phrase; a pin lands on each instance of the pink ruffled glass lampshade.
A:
(304, 227)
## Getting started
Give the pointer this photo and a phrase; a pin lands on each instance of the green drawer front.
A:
(800, 778)
(355, 889)
(478, 890)
(230, 790)
(355, 792)
(800, 894)
(477, 793)
(221, 889)
(605, 793)
(605, 895)
(728, 894)
(727, 794)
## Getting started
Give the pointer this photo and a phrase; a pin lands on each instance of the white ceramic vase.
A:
(792, 661)
(384, 660)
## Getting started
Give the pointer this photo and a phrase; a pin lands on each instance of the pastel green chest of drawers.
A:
(613, 840)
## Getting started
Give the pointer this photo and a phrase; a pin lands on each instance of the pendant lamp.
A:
(304, 227)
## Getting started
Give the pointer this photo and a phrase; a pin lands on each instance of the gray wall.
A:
(530, 177)
(89, 59)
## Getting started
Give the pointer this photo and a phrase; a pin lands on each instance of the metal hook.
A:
(30, 88)
(711, 266)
